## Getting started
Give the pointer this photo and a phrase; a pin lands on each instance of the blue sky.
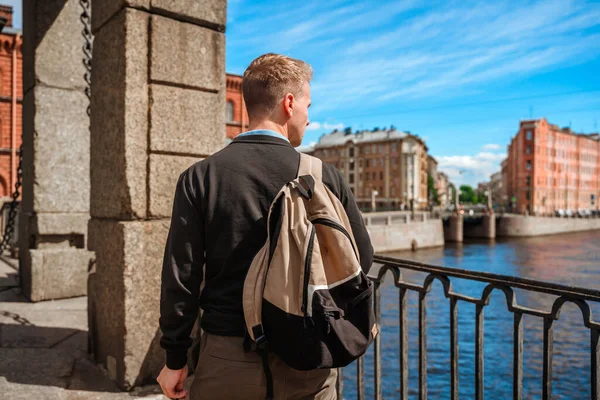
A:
(460, 74)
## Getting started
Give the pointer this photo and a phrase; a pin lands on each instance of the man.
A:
(217, 227)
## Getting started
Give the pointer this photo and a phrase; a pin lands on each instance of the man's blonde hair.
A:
(269, 77)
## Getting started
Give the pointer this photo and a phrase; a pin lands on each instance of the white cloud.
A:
(491, 146)
(307, 147)
(314, 126)
(464, 169)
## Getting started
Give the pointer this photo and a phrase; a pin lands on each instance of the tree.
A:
(348, 131)
(432, 190)
(468, 195)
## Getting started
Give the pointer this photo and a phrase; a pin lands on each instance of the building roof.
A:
(531, 123)
(340, 138)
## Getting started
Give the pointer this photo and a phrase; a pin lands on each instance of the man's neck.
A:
(270, 126)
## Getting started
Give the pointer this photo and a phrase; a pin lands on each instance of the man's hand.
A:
(171, 382)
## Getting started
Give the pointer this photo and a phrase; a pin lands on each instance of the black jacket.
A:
(218, 222)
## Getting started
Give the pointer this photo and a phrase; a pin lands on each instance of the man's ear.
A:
(288, 104)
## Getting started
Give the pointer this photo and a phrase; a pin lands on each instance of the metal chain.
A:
(86, 19)
(16, 318)
(12, 214)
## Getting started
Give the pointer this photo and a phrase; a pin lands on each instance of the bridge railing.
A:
(397, 217)
(581, 297)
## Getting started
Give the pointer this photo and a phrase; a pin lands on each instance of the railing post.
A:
(403, 346)
(339, 386)
(377, 350)
(360, 378)
(518, 356)
(595, 353)
(453, 349)
(422, 346)
(548, 353)
(479, 352)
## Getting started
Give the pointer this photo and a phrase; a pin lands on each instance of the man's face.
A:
(299, 120)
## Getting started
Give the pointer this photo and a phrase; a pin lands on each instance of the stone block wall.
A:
(53, 255)
(512, 225)
(158, 106)
(406, 236)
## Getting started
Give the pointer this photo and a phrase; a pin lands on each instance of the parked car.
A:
(560, 213)
(568, 213)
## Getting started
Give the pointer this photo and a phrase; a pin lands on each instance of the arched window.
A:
(229, 112)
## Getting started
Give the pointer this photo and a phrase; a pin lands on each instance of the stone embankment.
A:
(511, 225)
(400, 230)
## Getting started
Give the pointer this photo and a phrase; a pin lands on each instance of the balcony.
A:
(476, 290)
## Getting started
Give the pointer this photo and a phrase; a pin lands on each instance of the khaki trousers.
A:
(226, 372)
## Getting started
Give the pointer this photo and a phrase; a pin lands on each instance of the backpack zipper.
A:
(307, 264)
(335, 225)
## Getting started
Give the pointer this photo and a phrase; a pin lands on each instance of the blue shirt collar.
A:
(266, 132)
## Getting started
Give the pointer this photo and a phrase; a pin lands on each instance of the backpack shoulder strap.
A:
(310, 165)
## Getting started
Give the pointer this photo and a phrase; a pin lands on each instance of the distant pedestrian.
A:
(219, 224)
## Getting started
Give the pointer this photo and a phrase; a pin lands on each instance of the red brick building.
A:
(550, 168)
(236, 116)
(11, 102)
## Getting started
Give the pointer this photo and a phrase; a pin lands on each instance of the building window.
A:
(527, 195)
(393, 191)
(229, 112)
(367, 162)
(351, 151)
(381, 148)
(381, 175)
(393, 146)
(374, 148)
(351, 178)
(528, 165)
(360, 163)
(528, 150)
(529, 134)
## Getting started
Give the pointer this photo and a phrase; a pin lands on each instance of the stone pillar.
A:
(453, 230)
(158, 106)
(489, 226)
(53, 258)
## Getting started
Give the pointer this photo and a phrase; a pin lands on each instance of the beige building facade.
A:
(388, 166)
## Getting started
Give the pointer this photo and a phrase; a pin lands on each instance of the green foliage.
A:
(348, 131)
(468, 195)
(432, 190)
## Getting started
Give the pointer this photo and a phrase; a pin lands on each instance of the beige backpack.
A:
(306, 297)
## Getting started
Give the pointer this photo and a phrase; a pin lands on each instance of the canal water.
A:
(570, 259)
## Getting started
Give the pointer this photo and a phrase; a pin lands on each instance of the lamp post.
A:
(374, 193)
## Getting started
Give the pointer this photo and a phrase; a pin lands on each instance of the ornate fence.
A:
(578, 296)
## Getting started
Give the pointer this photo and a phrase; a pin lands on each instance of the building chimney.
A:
(6, 12)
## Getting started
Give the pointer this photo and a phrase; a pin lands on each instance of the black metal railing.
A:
(578, 296)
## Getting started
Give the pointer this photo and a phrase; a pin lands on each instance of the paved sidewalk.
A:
(43, 349)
